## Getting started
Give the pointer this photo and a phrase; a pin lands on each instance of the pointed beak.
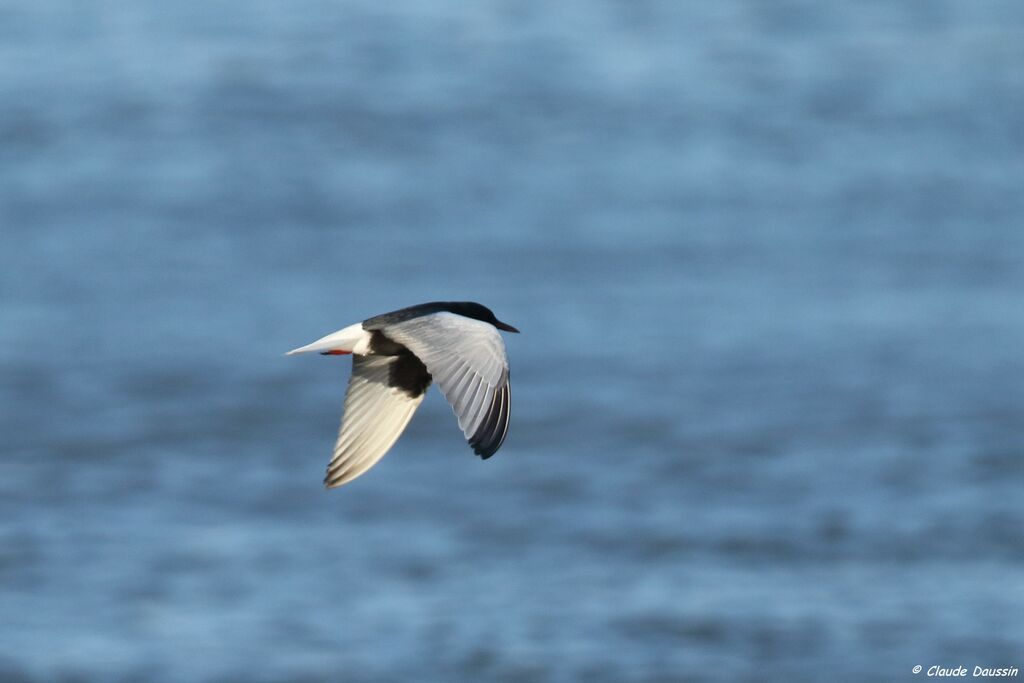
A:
(505, 326)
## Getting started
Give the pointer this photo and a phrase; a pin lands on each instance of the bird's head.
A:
(477, 311)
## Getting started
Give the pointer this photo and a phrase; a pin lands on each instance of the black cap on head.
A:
(471, 309)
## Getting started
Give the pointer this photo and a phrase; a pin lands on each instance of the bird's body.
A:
(396, 356)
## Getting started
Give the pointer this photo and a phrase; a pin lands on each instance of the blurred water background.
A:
(768, 398)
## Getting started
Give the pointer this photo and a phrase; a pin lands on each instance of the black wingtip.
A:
(484, 453)
(491, 433)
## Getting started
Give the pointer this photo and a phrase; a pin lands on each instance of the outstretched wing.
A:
(378, 406)
(466, 358)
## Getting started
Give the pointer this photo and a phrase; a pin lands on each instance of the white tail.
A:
(352, 339)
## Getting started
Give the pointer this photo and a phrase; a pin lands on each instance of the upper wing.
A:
(466, 358)
(376, 414)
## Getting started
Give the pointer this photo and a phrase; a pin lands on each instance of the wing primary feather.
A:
(484, 434)
(469, 405)
(382, 439)
(499, 426)
(482, 440)
(460, 382)
(505, 416)
(479, 408)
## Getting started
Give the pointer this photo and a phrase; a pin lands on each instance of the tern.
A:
(395, 356)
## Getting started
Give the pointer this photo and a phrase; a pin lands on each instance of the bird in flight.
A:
(395, 356)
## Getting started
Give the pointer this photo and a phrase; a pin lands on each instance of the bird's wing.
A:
(376, 413)
(466, 358)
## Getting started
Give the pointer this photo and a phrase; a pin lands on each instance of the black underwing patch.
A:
(409, 374)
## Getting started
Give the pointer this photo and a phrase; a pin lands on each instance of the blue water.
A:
(767, 259)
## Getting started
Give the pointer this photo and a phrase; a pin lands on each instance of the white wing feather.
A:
(375, 416)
